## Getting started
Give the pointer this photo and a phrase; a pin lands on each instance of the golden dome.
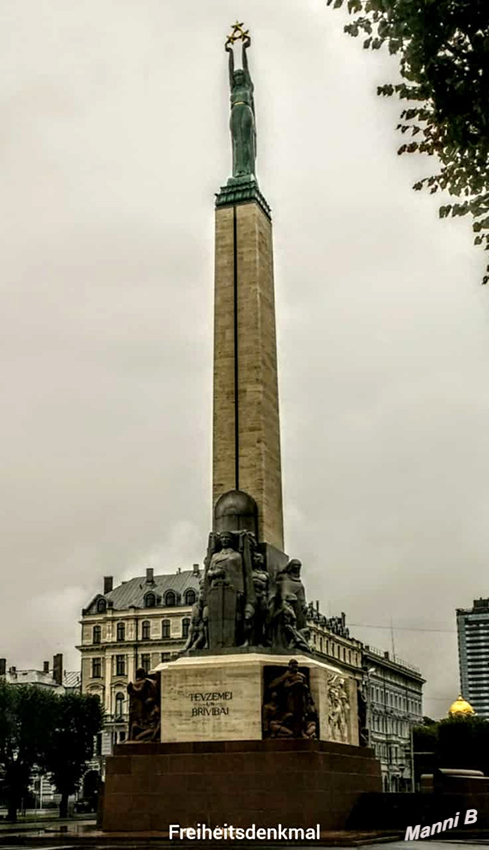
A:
(460, 708)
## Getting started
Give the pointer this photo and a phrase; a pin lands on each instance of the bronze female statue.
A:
(242, 122)
(228, 591)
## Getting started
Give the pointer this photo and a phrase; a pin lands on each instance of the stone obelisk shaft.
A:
(246, 429)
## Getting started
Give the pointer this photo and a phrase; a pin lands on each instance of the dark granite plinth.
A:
(296, 783)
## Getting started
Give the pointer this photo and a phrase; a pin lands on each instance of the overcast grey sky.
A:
(114, 139)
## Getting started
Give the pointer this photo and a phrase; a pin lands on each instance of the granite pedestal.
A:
(220, 698)
(296, 783)
(213, 765)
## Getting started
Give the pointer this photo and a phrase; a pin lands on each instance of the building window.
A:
(96, 668)
(146, 630)
(97, 634)
(120, 665)
(190, 597)
(101, 606)
(150, 600)
(121, 631)
(170, 599)
(165, 629)
(165, 656)
(119, 706)
(146, 662)
(185, 627)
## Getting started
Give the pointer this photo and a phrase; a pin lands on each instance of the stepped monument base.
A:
(296, 783)
(230, 753)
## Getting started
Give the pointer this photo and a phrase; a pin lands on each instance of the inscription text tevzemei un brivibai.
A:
(210, 698)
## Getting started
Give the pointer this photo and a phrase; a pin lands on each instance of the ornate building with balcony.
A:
(139, 623)
(393, 691)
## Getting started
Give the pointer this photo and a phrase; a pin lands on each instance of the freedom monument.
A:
(248, 725)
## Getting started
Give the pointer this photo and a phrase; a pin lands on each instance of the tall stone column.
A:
(246, 429)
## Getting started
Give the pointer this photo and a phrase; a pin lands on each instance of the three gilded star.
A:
(237, 33)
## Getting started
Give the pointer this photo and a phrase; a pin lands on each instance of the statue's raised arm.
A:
(229, 48)
(244, 55)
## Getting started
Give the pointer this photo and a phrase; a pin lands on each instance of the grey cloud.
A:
(114, 140)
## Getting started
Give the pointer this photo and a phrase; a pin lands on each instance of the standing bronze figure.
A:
(242, 121)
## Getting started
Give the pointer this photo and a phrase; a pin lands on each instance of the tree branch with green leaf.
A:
(443, 48)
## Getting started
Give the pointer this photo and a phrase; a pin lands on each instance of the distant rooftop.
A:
(132, 593)
(43, 678)
(481, 606)
(394, 659)
(72, 679)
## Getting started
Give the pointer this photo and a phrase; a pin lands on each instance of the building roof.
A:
(131, 593)
(460, 708)
(41, 678)
(72, 679)
(481, 606)
(392, 661)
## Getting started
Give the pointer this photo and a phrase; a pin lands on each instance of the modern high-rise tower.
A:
(473, 653)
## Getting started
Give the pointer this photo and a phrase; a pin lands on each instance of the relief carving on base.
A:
(339, 709)
(289, 710)
(144, 707)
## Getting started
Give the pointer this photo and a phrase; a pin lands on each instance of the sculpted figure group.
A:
(290, 711)
(240, 604)
(339, 709)
(144, 707)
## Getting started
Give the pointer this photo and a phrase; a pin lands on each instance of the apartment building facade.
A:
(139, 623)
(473, 653)
(393, 690)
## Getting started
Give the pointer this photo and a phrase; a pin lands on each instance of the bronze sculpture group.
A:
(289, 711)
(144, 707)
(241, 604)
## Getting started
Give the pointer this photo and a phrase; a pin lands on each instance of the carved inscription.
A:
(209, 708)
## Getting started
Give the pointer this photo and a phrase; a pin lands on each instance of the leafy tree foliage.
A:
(25, 720)
(76, 720)
(453, 742)
(40, 729)
(464, 742)
(425, 737)
(444, 63)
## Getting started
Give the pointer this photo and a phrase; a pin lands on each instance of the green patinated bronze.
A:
(242, 121)
(243, 185)
(240, 192)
